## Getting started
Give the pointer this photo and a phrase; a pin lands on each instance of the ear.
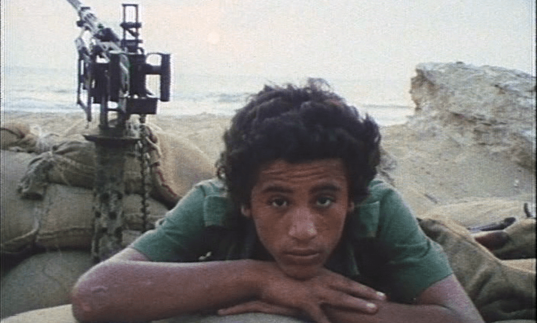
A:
(246, 211)
(351, 207)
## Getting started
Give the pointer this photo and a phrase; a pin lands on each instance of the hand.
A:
(309, 296)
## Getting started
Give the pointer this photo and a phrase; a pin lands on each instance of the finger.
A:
(343, 300)
(361, 290)
(349, 286)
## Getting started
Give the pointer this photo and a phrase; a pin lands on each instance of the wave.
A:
(54, 91)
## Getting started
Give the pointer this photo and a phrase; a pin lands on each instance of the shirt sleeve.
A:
(180, 237)
(413, 261)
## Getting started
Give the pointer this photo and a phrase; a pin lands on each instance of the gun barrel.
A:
(76, 4)
(89, 21)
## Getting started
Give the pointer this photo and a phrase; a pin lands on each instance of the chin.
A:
(300, 273)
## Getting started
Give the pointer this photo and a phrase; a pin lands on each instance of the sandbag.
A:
(66, 217)
(43, 280)
(63, 216)
(521, 241)
(524, 264)
(63, 314)
(17, 137)
(242, 318)
(57, 314)
(176, 165)
(476, 213)
(499, 291)
(19, 223)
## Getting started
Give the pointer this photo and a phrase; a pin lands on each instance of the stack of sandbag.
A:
(31, 280)
(49, 239)
(46, 210)
(61, 218)
(479, 212)
(19, 224)
(176, 164)
(499, 280)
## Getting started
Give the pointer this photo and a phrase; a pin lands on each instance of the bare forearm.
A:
(141, 290)
(401, 313)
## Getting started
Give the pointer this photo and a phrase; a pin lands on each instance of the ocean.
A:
(46, 90)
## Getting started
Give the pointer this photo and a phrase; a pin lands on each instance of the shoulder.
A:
(211, 187)
(182, 235)
(208, 201)
(383, 203)
(380, 191)
(197, 197)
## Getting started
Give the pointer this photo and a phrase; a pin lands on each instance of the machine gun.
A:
(112, 73)
(110, 69)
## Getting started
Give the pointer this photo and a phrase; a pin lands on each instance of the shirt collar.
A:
(361, 225)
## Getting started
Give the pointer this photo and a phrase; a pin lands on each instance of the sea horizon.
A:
(53, 90)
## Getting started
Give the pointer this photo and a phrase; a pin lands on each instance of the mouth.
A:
(303, 257)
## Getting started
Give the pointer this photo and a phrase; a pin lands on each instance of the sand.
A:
(428, 171)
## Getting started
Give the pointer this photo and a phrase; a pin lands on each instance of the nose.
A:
(302, 225)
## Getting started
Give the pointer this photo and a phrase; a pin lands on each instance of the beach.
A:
(428, 170)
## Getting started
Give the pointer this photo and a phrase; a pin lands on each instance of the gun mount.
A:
(112, 73)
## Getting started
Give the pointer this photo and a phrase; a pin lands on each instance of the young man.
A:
(294, 225)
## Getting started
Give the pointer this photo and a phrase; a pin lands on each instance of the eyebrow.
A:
(326, 187)
(275, 188)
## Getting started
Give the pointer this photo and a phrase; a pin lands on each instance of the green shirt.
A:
(382, 245)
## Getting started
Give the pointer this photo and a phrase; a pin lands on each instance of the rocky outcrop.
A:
(489, 106)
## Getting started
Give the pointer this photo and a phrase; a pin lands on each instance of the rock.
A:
(489, 106)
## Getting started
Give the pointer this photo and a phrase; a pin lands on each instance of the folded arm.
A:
(444, 301)
(128, 287)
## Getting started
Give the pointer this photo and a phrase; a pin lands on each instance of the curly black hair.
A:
(298, 124)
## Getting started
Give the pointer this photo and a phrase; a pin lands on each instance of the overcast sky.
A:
(347, 39)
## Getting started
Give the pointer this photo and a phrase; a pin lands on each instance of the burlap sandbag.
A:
(19, 223)
(499, 291)
(62, 218)
(66, 217)
(477, 213)
(72, 163)
(57, 314)
(176, 165)
(524, 264)
(43, 280)
(240, 318)
(63, 314)
(17, 137)
(521, 241)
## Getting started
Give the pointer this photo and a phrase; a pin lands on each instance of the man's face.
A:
(299, 212)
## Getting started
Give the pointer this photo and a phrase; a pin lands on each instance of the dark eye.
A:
(279, 202)
(324, 201)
